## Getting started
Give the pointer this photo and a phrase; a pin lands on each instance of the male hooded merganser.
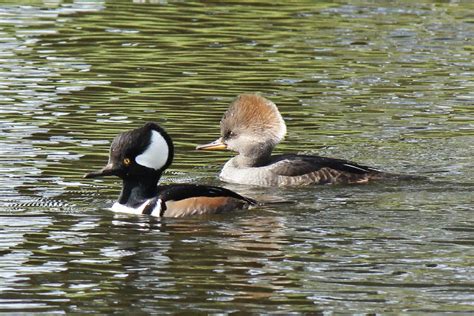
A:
(139, 157)
(253, 126)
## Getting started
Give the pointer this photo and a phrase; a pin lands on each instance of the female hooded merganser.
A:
(253, 126)
(139, 157)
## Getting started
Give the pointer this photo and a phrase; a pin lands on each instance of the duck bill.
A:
(218, 144)
(108, 170)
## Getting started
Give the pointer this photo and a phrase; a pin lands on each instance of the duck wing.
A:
(183, 191)
(296, 165)
(179, 200)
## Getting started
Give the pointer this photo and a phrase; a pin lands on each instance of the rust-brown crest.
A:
(255, 114)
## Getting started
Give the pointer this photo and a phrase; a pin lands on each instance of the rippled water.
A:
(384, 83)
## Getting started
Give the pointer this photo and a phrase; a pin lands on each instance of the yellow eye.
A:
(127, 162)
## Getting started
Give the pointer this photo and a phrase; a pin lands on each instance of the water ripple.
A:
(379, 83)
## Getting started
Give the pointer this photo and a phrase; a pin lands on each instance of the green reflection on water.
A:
(383, 83)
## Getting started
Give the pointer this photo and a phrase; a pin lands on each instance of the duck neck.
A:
(135, 190)
(257, 157)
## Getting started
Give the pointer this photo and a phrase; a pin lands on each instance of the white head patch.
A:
(156, 154)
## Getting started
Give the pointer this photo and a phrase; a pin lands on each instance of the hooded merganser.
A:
(252, 127)
(139, 157)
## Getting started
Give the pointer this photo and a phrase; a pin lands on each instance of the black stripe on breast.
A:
(152, 204)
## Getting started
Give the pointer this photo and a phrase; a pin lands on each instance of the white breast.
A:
(120, 208)
(253, 176)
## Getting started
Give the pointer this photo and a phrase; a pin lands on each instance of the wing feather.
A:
(178, 192)
(297, 165)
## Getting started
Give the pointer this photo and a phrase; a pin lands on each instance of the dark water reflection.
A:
(384, 83)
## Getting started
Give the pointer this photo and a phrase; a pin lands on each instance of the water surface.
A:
(388, 84)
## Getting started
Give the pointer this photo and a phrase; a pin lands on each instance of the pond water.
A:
(383, 83)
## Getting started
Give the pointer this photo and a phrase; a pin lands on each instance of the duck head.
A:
(144, 153)
(252, 126)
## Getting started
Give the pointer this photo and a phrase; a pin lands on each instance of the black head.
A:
(138, 152)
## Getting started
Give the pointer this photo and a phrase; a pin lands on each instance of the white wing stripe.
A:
(355, 167)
